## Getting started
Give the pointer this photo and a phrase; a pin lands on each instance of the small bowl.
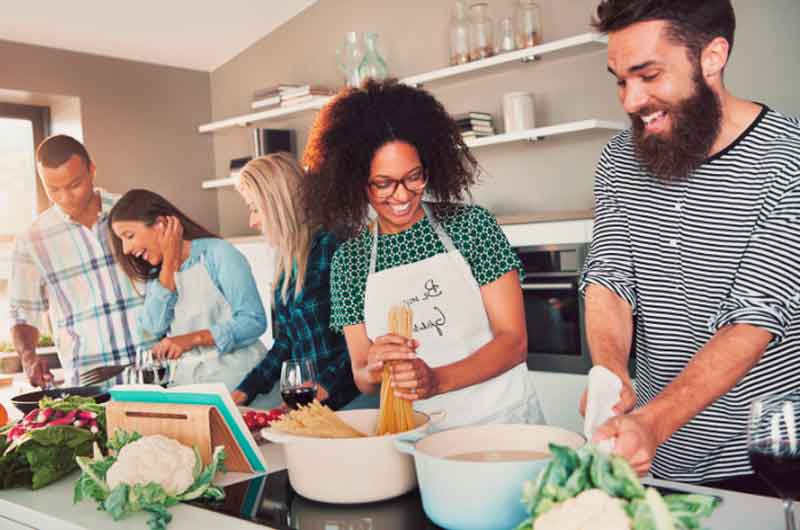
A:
(30, 400)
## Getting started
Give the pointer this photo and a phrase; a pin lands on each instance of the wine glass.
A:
(298, 382)
(773, 441)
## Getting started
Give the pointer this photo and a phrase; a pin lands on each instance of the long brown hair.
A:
(146, 207)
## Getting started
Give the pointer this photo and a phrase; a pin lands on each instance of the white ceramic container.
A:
(351, 470)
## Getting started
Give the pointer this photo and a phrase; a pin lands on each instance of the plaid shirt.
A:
(301, 325)
(60, 266)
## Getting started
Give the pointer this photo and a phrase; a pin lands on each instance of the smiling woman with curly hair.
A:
(384, 146)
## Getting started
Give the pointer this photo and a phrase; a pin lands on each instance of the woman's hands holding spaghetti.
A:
(413, 379)
(388, 348)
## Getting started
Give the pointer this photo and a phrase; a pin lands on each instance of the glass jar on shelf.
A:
(527, 17)
(481, 34)
(349, 58)
(459, 35)
(506, 36)
(372, 65)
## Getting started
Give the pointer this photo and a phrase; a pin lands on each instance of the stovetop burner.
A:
(270, 500)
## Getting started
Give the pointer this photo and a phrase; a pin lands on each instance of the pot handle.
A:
(437, 416)
(407, 442)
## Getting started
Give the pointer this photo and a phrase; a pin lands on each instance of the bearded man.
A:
(696, 246)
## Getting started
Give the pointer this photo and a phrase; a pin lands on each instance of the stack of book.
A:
(474, 124)
(287, 95)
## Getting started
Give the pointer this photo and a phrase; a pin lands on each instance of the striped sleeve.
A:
(766, 288)
(609, 261)
(28, 300)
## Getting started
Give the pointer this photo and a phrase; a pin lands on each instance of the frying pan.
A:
(30, 400)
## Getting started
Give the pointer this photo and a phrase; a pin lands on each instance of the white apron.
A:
(200, 305)
(450, 323)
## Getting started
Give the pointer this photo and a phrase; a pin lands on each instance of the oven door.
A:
(554, 318)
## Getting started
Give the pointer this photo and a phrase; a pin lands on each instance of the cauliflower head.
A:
(154, 459)
(593, 509)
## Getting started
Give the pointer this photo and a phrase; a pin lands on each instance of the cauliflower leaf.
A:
(139, 478)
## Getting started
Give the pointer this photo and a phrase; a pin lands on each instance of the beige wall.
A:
(555, 174)
(138, 120)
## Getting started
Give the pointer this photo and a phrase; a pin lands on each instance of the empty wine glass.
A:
(298, 382)
(773, 441)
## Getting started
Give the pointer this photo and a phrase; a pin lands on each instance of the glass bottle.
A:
(459, 35)
(372, 65)
(506, 36)
(481, 34)
(349, 58)
(528, 23)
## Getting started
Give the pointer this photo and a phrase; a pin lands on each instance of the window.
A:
(21, 129)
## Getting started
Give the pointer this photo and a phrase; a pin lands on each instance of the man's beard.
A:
(696, 123)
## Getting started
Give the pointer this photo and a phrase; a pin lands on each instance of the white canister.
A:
(518, 111)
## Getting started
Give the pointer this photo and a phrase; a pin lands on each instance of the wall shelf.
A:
(579, 44)
(543, 132)
(246, 120)
(218, 183)
(519, 136)
(571, 46)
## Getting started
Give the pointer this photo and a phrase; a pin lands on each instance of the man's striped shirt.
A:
(721, 247)
(61, 266)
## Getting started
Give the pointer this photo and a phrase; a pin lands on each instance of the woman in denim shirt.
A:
(200, 295)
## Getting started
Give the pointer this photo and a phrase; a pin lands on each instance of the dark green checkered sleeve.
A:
(484, 245)
(349, 271)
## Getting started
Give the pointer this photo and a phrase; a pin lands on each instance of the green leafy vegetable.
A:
(151, 497)
(34, 453)
(570, 473)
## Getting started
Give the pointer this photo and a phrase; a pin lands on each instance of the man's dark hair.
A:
(691, 23)
(56, 150)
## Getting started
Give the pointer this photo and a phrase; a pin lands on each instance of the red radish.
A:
(80, 423)
(15, 432)
(31, 416)
(44, 415)
(86, 415)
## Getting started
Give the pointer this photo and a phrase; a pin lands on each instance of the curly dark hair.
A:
(692, 23)
(354, 125)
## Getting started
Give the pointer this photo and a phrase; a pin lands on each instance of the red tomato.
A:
(262, 420)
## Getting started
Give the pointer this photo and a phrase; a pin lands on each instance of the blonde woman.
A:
(270, 185)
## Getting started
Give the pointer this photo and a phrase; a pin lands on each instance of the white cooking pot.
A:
(351, 470)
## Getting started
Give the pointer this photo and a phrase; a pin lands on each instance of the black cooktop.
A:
(270, 500)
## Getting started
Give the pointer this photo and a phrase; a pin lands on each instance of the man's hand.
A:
(38, 372)
(627, 398)
(636, 439)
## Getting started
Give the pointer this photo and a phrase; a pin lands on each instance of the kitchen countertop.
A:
(51, 508)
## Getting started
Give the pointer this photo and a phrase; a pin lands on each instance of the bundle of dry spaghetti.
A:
(396, 415)
(315, 420)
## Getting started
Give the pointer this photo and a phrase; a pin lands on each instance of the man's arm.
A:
(712, 372)
(609, 332)
(25, 339)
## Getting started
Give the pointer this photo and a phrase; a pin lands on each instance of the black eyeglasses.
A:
(414, 181)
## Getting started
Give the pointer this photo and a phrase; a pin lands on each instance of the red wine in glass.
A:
(778, 467)
(295, 397)
(773, 442)
(298, 382)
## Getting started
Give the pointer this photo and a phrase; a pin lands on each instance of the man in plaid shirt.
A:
(64, 264)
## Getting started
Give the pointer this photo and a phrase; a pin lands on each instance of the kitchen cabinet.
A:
(563, 48)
